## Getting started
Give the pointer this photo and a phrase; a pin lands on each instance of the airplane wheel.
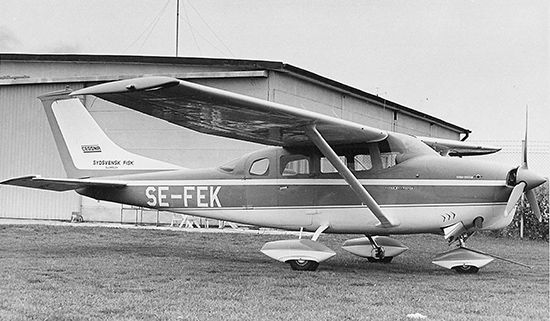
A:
(386, 259)
(466, 269)
(303, 265)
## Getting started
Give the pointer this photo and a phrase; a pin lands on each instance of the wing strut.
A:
(348, 176)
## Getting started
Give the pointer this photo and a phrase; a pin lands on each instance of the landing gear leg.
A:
(378, 252)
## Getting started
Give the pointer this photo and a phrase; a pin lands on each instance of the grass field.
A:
(97, 273)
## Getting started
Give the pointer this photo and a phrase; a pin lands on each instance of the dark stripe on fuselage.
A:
(287, 194)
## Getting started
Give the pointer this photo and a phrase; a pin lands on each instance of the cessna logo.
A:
(91, 148)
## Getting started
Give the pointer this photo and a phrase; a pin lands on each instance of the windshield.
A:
(230, 166)
(403, 147)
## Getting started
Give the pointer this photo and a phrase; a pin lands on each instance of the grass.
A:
(94, 273)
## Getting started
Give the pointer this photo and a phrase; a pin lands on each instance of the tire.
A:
(303, 265)
(466, 269)
(386, 259)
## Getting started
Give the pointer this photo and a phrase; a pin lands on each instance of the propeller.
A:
(523, 182)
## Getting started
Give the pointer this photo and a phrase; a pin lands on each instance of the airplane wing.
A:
(59, 184)
(457, 148)
(217, 112)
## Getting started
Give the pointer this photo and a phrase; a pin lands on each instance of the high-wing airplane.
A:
(321, 174)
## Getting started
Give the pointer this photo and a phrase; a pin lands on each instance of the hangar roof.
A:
(233, 64)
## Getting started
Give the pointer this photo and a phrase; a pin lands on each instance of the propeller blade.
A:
(514, 197)
(534, 204)
(524, 143)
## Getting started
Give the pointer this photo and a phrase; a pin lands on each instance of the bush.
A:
(532, 229)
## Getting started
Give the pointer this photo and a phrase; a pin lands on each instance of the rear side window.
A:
(362, 162)
(295, 165)
(260, 167)
(326, 166)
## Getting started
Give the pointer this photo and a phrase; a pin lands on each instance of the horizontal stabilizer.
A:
(59, 184)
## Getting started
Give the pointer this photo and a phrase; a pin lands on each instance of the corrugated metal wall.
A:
(28, 147)
(303, 94)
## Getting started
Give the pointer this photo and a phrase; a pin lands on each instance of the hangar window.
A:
(294, 165)
(260, 167)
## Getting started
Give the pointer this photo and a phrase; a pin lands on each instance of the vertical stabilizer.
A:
(85, 149)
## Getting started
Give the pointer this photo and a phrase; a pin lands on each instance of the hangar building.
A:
(27, 145)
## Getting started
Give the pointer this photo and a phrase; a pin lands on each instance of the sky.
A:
(476, 64)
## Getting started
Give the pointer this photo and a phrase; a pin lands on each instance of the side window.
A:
(326, 166)
(260, 167)
(362, 162)
(295, 165)
(389, 159)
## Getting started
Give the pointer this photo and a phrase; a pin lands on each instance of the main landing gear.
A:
(301, 254)
(377, 249)
(305, 255)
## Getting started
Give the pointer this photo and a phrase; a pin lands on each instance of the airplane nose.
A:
(530, 178)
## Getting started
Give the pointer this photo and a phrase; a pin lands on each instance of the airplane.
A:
(318, 174)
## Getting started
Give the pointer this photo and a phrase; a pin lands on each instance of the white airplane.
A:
(322, 174)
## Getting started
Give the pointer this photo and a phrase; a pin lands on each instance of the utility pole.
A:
(177, 25)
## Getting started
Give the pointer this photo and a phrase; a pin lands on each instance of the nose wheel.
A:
(465, 269)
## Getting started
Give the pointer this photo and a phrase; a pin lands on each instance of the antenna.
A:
(177, 25)
(524, 143)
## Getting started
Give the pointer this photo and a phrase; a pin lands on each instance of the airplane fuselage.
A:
(425, 193)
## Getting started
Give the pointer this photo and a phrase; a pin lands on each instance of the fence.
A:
(538, 155)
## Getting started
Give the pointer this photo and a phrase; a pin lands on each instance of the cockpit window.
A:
(398, 148)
